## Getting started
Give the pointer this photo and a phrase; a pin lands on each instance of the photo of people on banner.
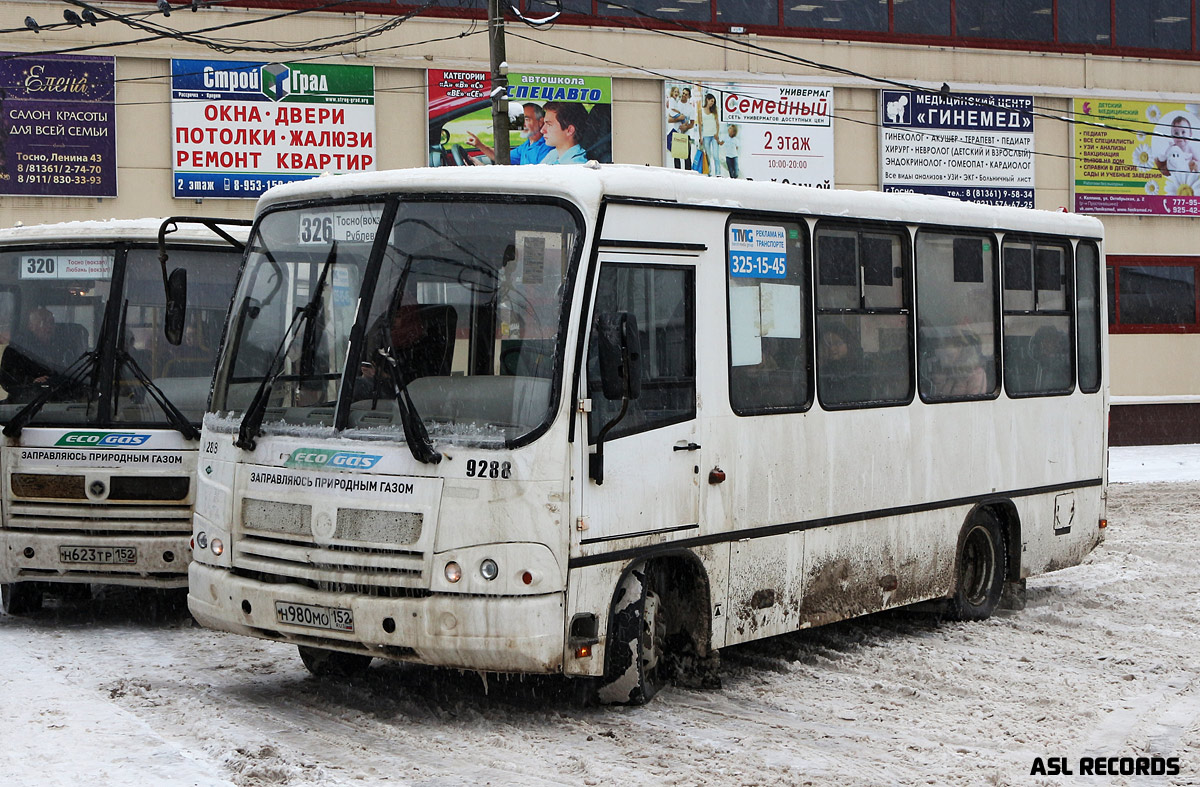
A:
(782, 133)
(553, 119)
(696, 137)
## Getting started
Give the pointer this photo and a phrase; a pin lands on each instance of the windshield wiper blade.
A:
(175, 417)
(72, 375)
(251, 424)
(415, 433)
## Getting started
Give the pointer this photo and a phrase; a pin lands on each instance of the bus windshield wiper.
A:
(177, 419)
(72, 375)
(251, 424)
(415, 433)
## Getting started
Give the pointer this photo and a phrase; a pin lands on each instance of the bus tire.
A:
(982, 564)
(21, 598)
(333, 663)
(635, 660)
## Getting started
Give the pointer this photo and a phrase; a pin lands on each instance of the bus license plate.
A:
(314, 617)
(110, 555)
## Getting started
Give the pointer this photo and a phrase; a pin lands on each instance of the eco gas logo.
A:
(312, 458)
(102, 440)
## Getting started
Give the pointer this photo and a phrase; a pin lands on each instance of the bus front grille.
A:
(125, 489)
(99, 518)
(339, 567)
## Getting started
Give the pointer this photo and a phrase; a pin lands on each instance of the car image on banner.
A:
(575, 114)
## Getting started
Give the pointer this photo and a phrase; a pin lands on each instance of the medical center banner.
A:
(972, 146)
(239, 128)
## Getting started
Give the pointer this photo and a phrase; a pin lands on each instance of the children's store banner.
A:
(971, 146)
(756, 132)
(1137, 157)
(553, 119)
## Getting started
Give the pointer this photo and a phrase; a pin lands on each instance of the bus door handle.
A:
(688, 447)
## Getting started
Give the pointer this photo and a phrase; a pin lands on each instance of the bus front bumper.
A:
(144, 561)
(494, 634)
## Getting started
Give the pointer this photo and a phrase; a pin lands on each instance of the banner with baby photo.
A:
(755, 132)
(1137, 157)
(553, 119)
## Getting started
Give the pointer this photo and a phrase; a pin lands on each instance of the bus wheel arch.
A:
(980, 566)
(659, 630)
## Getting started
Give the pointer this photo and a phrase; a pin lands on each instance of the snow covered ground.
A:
(1102, 662)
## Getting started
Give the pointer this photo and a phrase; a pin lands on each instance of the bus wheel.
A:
(21, 598)
(981, 569)
(333, 663)
(635, 665)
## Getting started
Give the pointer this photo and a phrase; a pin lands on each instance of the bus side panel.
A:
(766, 586)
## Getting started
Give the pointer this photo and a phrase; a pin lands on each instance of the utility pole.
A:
(499, 80)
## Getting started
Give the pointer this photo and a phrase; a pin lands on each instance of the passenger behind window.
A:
(1049, 354)
(957, 369)
(840, 366)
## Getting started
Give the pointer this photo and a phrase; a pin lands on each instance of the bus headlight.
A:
(453, 572)
(489, 570)
(218, 546)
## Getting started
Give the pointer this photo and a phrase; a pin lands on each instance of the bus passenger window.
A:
(1038, 357)
(662, 299)
(768, 315)
(1087, 310)
(957, 316)
(864, 351)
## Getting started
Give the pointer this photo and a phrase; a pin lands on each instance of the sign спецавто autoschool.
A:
(972, 146)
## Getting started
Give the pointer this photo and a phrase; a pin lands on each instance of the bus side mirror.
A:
(176, 306)
(620, 355)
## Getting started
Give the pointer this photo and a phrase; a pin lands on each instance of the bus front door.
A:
(649, 486)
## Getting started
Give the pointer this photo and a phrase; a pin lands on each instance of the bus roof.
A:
(144, 230)
(587, 184)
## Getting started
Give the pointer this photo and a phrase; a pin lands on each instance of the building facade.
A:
(1077, 105)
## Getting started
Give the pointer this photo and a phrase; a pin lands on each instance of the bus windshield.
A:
(54, 304)
(459, 310)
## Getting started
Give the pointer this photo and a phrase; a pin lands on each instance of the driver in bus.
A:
(418, 338)
(33, 356)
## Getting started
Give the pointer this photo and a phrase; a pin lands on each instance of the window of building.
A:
(1020, 20)
(769, 369)
(1087, 315)
(748, 12)
(1085, 22)
(1154, 24)
(662, 299)
(1038, 356)
(837, 15)
(957, 330)
(922, 17)
(864, 346)
(673, 10)
(1152, 294)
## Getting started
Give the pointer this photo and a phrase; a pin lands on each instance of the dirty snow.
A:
(1102, 662)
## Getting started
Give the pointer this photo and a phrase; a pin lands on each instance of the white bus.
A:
(100, 409)
(603, 421)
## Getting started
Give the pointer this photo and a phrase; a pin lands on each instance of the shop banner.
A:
(553, 119)
(755, 132)
(971, 146)
(58, 130)
(240, 128)
(1137, 157)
